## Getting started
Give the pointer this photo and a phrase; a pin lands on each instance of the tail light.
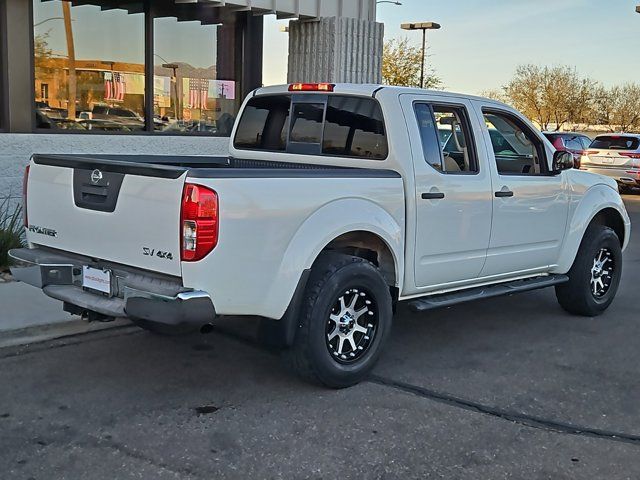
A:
(590, 152)
(630, 155)
(25, 184)
(199, 222)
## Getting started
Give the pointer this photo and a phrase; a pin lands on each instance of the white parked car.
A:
(335, 203)
(616, 156)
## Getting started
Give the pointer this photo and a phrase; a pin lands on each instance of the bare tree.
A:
(526, 92)
(550, 95)
(618, 107)
(495, 94)
(401, 63)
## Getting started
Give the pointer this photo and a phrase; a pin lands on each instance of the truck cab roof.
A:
(370, 90)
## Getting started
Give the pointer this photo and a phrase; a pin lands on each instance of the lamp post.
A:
(388, 1)
(424, 26)
(71, 51)
(174, 80)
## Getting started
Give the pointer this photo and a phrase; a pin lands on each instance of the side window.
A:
(586, 141)
(517, 150)
(431, 141)
(354, 127)
(447, 141)
(573, 143)
(263, 125)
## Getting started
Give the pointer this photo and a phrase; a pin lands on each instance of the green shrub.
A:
(11, 231)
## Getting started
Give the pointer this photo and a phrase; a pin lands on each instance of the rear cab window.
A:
(313, 124)
(264, 124)
(615, 142)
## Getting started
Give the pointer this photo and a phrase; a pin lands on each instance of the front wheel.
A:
(344, 322)
(595, 275)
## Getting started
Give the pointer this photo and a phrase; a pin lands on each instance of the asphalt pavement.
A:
(504, 388)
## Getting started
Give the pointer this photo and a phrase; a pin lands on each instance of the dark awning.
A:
(212, 11)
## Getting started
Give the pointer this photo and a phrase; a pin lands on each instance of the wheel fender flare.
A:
(596, 199)
(321, 228)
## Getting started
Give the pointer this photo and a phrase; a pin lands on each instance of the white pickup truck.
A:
(335, 203)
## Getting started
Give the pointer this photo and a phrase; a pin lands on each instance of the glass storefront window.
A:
(194, 83)
(3, 67)
(89, 67)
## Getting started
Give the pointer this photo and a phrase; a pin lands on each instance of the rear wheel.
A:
(344, 321)
(165, 329)
(595, 275)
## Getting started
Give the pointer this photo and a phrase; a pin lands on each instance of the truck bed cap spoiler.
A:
(161, 166)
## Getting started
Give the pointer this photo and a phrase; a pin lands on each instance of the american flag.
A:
(198, 92)
(114, 86)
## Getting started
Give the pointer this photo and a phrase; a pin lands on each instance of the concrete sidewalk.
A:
(27, 315)
(23, 306)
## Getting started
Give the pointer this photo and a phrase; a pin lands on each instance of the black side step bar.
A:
(488, 291)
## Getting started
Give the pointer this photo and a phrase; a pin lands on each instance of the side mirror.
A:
(562, 161)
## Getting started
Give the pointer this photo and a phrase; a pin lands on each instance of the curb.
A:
(43, 333)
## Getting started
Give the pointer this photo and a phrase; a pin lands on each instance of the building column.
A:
(336, 50)
(20, 85)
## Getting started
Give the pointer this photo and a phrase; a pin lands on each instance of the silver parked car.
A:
(616, 156)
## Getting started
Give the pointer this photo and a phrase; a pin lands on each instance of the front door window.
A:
(517, 150)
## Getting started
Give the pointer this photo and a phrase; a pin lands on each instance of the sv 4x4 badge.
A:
(152, 252)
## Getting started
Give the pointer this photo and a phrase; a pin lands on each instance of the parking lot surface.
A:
(505, 388)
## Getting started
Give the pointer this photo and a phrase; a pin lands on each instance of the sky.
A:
(483, 41)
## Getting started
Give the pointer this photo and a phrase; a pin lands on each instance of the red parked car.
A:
(573, 143)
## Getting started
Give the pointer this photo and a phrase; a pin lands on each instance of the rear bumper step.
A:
(137, 295)
(488, 291)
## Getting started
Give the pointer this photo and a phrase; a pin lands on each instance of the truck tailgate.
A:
(108, 211)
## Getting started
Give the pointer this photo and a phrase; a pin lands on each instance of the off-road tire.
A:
(576, 296)
(310, 356)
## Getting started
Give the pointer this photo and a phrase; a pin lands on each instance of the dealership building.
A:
(158, 76)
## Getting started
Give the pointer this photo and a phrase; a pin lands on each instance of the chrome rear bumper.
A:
(136, 294)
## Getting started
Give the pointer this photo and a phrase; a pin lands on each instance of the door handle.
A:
(504, 194)
(433, 196)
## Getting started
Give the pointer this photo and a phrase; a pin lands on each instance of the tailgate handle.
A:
(96, 192)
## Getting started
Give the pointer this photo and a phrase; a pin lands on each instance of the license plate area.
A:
(606, 160)
(96, 280)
